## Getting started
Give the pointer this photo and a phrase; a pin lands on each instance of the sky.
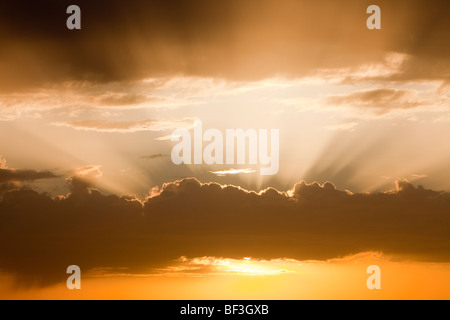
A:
(87, 177)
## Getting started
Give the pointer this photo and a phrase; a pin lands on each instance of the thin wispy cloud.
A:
(117, 126)
(155, 156)
(222, 173)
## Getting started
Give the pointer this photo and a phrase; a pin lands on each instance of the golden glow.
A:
(343, 278)
(245, 266)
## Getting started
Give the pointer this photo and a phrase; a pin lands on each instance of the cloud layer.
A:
(40, 235)
(383, 100)
(127, 126)
(9, 175)
(231, 39)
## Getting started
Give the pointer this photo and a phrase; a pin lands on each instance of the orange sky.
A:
(337, 279)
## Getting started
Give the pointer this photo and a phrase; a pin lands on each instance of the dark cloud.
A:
(40, 236)
(10, 175)
(382, 100)
(131, 40)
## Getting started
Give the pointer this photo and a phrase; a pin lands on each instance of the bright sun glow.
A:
(246, 266)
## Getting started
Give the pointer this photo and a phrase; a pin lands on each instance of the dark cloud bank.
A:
(40, 236)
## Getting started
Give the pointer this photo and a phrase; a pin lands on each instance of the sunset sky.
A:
(86, 175)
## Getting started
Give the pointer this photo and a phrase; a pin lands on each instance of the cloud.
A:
(116, 99)
(91, 99)
(42, 235)
(418, 176)
(8, 175)
(155, 156)
(84, 177)
(382, 100)
(165, 138)
(222, 266)
(250, 266)
(232, 172)
(346, 126)
(127, 126)
(230, 39)
(388, 66)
